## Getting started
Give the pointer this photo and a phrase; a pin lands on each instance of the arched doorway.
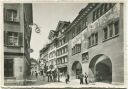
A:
(101, 68)
(76, 68)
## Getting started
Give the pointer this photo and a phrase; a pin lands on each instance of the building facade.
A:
(89, 44)
(62, 48)
(94, 37)
(17, 36)
(52, 50)
(44, 59)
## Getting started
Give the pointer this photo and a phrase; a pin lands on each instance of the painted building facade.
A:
(17, 36)
(94, 37)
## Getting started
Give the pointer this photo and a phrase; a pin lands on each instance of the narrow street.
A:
(74, 83)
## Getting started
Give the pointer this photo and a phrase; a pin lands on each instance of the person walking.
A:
(67, 78)
(81, 78)
(51, 76)
(86, 76)
(48, 77)
(58, 76)
(55, 76)
(36, 74)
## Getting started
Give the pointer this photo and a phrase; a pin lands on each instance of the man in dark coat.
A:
(36, 74)
(81, 78)
(86, 76)
(67, 79)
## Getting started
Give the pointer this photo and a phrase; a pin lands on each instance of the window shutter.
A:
(5, 14)
(5, 38)
(20, 39)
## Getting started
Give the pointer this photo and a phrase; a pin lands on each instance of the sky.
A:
(47, 16)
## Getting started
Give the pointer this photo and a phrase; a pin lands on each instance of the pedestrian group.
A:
(54, 76)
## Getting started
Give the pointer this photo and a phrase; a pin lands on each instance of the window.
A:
(78, 28)
(105, 7)
(64, 40)
(72, 50)
(66, 49)
(62, 50)
(76, 49)
(11, 15)
(96, 37)
(98, 13)
(89, 41)
(73, 33)
(85, 56)
(102, 10)
(79, 48)
(111, 30)
(84, 23)
(66, 59)
(12, 39)
(62, 60)
(93, 39)
(8, 68)
(116, 25)
(105, 33)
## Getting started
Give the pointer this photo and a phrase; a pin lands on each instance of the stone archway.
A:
(76, 68)
(101, 68)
